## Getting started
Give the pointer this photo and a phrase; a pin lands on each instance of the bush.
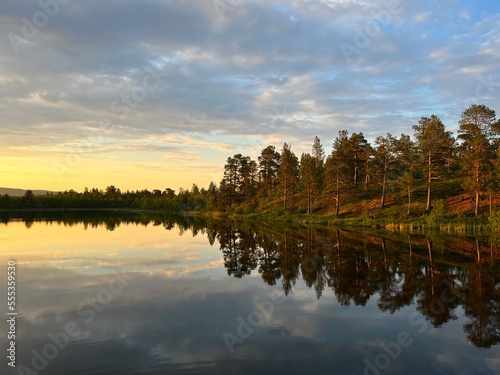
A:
(437, 215)
(494, 221)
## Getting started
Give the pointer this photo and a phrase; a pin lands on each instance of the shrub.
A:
(494, 221)
(437, 214)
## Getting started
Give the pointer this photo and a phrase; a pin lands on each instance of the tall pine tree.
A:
(478, 152)
(288, 175)
(435, 145)
(337, 171)
(269, 162)
(308, 179)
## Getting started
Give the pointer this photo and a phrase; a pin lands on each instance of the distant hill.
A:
(20, 192)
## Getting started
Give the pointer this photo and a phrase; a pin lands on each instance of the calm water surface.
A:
(140, 295)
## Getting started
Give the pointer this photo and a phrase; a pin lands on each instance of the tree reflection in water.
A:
(398, 270)
(437, 273)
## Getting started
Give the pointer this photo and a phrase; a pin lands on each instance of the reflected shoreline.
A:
(437, 273)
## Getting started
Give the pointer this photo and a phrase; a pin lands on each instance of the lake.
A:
(135, 294)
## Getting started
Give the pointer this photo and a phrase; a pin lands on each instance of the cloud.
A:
(422, 17)
(221, 84)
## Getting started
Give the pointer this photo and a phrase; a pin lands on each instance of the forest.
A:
(397, 176)
(363, 176)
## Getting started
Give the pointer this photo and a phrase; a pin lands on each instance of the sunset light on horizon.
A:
(158, 94)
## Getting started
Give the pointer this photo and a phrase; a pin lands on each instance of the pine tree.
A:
(231, 181)
(247, 177)
(239, 182)
(478, 152)
(435, 145)
(386, 158)
(494, 181)
(269, 162)
(370, 167)
(308, 179)
(318, 154)
(288, 175)
(212, 195)
(337, 172)
(406, 155)
(357, 149)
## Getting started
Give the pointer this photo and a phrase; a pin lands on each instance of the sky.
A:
(150, 94)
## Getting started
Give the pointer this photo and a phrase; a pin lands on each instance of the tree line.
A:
(354, 172)
(111, 198)
(355, 169)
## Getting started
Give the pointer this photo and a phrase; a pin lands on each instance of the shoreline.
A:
(418, 224)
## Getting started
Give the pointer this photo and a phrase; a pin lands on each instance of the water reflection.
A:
(439, 274)
(358, 267)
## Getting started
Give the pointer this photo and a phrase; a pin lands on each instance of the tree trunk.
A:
(476, 211)
(429, 180)
(385, 254)
(384, 183)
(409, 200)
(431, 263)
(285, 193)
(367, 176)
(429, 249)
(355, 170)
(337, 203)
(410, 245)
(477, 174)
(337, 243)
(309, 201)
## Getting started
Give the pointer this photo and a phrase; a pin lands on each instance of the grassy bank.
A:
(452, 211)
(432, 221)
(435, 220)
